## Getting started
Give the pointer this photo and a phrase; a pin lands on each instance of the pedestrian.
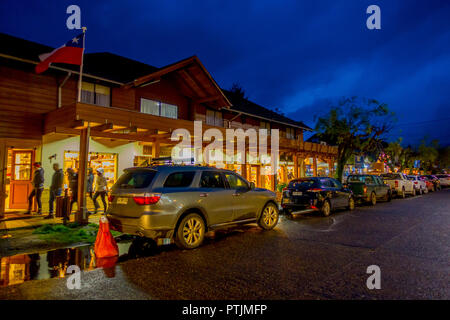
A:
(101, 189)
(73, 186)
(55, 188)
(38, 187)
(90, 183)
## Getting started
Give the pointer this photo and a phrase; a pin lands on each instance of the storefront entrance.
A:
(19, 175)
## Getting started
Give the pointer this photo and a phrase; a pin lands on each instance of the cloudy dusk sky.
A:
(297, 56)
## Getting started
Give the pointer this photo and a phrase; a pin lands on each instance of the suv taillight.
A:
(110, 198)
(315, 190)
(147, 199)
(396, 183)
(365, 189)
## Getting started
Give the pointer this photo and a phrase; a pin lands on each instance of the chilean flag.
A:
(71, 53)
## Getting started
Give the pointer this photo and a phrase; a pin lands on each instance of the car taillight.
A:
(315, 190)
(110, 198)
(365, 189)
(396, 183)
(147, 199)
(415, 182)
(284, 189)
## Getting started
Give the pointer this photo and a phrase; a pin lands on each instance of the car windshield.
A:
(356, 178)
(135, 179)
(442, 175)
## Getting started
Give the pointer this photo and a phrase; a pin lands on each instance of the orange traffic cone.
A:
(105, 245)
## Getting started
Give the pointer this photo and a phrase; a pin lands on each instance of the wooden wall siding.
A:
(124, 98)
(20, 125)
(164, 91)
(69, 92)
(26, 91)
(62, 117)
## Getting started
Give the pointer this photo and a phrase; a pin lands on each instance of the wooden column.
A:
(3, 166)
(258, 176)
(295, 158)
(82, 214)
(315, 167)
(155, 150)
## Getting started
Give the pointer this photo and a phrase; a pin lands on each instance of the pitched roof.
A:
(102, 64)
(245, 106)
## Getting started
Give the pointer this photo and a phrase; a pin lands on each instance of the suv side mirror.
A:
(252, 185)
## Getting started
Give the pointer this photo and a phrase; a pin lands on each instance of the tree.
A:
(237, 93)
(355, 125)
(428, 154)
(399, 157)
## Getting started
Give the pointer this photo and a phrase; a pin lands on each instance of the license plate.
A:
(297, 193)
(122, 200)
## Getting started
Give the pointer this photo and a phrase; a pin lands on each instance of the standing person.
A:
(38, 187)
(90, 183)
(73, 186)
(101, 188)
(55, 188)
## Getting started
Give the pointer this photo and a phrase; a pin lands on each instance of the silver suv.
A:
(184, 202)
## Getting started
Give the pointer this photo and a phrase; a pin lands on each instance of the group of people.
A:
(99, 190)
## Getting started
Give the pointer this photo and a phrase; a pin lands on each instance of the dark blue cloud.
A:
(299, 56)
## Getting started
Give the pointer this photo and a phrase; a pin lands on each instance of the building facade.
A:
(126, 115)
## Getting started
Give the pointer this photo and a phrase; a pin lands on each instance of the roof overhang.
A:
(192, 79)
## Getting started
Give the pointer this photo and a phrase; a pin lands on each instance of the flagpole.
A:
(81, 66)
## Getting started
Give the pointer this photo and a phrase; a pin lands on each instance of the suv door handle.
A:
(204, 195)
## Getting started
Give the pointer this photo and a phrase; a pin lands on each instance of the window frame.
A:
(179, 172)
(247, 183)
(224, 182)
(95, 94)
(160, 106)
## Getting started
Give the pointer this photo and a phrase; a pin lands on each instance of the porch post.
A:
(295, 158)
(155, 150)
(81, 215)
(258, 176)
(315, 166)
(3, 164)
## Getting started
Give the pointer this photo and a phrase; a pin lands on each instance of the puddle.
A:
(54, 263)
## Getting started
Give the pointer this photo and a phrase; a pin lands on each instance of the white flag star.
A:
(75, 40)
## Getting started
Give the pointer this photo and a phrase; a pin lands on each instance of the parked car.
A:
(435, 180)
(428, 183)
(184, 202)
(419, 184)
(369, 188)
(399, 183)
(444, 179)
(322, 194)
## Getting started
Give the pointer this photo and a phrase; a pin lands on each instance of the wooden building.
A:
(127, 113)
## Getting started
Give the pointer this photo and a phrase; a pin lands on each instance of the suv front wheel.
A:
(269, 217)
(190, 232)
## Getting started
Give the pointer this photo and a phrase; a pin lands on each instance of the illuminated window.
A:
(158, 108)
(93, 93)
(265, 125)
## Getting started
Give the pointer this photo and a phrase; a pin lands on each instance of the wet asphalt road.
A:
(310, 257)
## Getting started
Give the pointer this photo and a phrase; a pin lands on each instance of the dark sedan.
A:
(316, 194)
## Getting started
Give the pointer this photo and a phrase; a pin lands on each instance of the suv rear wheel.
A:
(269, 217)
(190, 232)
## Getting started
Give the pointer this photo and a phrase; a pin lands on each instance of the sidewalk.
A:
(38, 220)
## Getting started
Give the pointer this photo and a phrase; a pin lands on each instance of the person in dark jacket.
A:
(38, 187)
(73, 186)
(55, 188)
(90, 182)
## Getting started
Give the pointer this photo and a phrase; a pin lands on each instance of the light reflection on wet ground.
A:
(54, 263)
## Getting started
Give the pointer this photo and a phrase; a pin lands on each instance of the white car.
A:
(419, 184)
(399, 183)
(444, 179)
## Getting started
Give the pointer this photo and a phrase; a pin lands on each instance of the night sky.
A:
(298, 56)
